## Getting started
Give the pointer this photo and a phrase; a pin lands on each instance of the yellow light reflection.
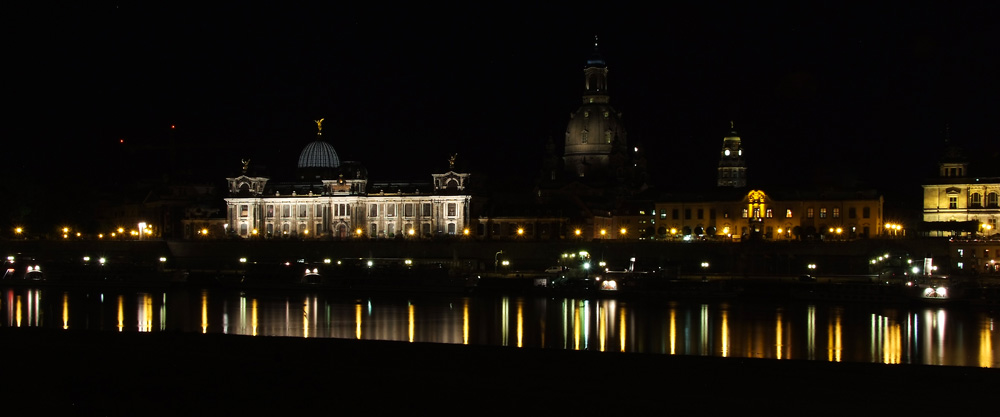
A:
(465, 321)
(892, 343)
(121, 313)
(253, 316)
(305, 318)
(673, 331)
(357, 321)
(835, 348)
(725, 333)
(65, 311)
(204, 312)
(777, 338)
(520, 322)
(18, 309)
(602, 329)
(621, 329)
(985, 346)
(411, 321)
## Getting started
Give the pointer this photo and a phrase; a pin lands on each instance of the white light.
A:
(915, 270)
(586, 265)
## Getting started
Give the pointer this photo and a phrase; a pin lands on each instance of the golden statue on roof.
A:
(451, 161)
(319, 126)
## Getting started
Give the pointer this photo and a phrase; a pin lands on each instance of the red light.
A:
(172, 126)
(121, 140)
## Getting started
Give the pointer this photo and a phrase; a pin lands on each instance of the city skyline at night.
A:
(830, 95)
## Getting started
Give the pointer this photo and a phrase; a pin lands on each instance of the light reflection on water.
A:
(933, 335)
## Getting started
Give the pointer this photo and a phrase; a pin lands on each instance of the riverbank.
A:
(89, 373)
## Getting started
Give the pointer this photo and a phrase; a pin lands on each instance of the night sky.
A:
(821, 93)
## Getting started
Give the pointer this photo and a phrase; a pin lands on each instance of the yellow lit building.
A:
(956, 202)
(741, 214)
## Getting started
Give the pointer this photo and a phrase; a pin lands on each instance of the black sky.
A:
(835, 92)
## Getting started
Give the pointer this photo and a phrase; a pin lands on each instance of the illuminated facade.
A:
(782, 216)
(732, 167)
(334, 199)
(957, 197)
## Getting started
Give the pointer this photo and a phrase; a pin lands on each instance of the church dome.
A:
(319, 154)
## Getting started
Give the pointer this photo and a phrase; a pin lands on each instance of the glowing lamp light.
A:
(623, 231)
(357, 231)
(520, 231)
(410, 232)
(603, 232)
(465, 231)
(577, 232)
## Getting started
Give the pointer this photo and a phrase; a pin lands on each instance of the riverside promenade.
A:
(737, 258)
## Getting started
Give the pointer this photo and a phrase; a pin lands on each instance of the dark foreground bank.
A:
(89, 373)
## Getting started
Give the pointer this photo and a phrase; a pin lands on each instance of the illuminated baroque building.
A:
(779, 215)
(957, 202)
(335, 199)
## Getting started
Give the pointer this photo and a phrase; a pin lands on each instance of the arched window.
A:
(976, 200)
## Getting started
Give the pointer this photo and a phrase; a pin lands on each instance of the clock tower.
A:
(732, 167)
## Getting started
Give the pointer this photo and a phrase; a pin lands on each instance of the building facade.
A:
(778, 216)
(334, 199)
(956, 197)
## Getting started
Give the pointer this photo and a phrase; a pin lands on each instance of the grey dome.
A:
(319, 154)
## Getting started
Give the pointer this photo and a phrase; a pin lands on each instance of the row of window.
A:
(389, 210)
(388, 231)
(852, 213)
(975, 200)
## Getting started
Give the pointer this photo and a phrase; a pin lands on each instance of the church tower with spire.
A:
(595, 130)
(732, 166)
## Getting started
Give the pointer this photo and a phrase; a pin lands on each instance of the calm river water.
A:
(934, 335)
